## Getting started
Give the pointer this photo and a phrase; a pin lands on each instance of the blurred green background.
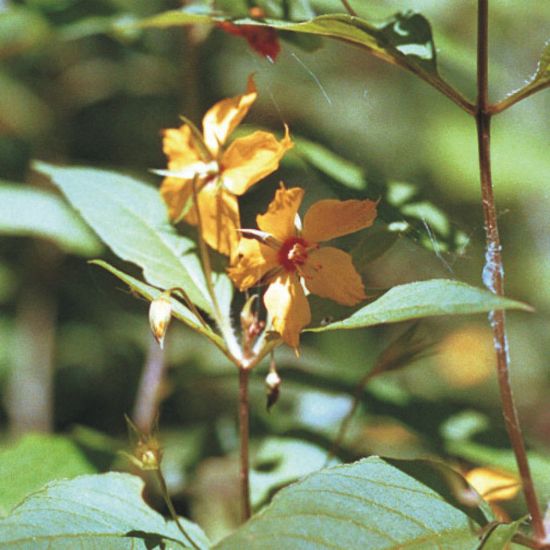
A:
(73, 342)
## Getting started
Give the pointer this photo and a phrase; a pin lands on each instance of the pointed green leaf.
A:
(131, 218)
(104, 512)
(424, 299)
(35, 460)
(31, 212)
(170, 19)
(369, 504)
(179, 311)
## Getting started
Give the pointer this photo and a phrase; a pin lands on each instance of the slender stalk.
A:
(223, 324)
(348, 7)
(514, 98)
(244, 431)
(344, 425)
(493, 272)
(147, 401)
(172, 510)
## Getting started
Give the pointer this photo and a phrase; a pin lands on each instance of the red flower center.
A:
(293, 253)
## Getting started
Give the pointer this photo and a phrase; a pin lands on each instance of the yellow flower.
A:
(283, 256)
(222, 173)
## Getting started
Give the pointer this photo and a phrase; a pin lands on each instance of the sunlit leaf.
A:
(94, 511)
(169, 19)
(369, 504)
(35, 460)
(131, 218)
(30, 212)
(280, 461)
(424, 299)
(179, 311)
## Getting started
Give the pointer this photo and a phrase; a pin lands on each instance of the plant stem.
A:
(148, 395)
(172, 510)
(244, 430)
(223, 324)
(493, 272)
(349, 9)
(514, 98)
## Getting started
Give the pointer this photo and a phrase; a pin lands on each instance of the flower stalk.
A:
(244, 429)
(493, 273)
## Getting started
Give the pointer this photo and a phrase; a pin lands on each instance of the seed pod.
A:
(160, 313)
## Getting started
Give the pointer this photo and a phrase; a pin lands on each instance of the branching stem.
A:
(493, 273)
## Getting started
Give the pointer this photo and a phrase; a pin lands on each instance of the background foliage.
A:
(78, 84)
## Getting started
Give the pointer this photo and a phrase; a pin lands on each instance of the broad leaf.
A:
(95, 511)
(424, 299)
(179, 311)
(35, 460)
(369, 504)
(27, 211)
(131, 218)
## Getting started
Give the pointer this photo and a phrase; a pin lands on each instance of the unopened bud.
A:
(273, 387)
(148, 454)
(160, 313)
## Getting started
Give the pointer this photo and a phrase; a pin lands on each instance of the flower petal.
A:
(178, 145)
(248, 160)
(220, 219)
(280, 218)
(254, 260)
(177, 193)
(329, 273)
(331, 218)
(288, 307)
(221, 119)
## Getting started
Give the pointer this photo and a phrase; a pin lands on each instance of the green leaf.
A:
(424, 299)
(280, 461)
(334, 166)
(179, 311)
(369, 504)
(405, 39)
(502, 534)
(170, 19)
(31, 212)
(32, 462)
(95, 511)
(131, 218)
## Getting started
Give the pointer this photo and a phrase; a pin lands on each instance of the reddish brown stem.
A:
(493, 273)
(244, 430)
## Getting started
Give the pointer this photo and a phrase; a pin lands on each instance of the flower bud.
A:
(273, 386)
(160, 313)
